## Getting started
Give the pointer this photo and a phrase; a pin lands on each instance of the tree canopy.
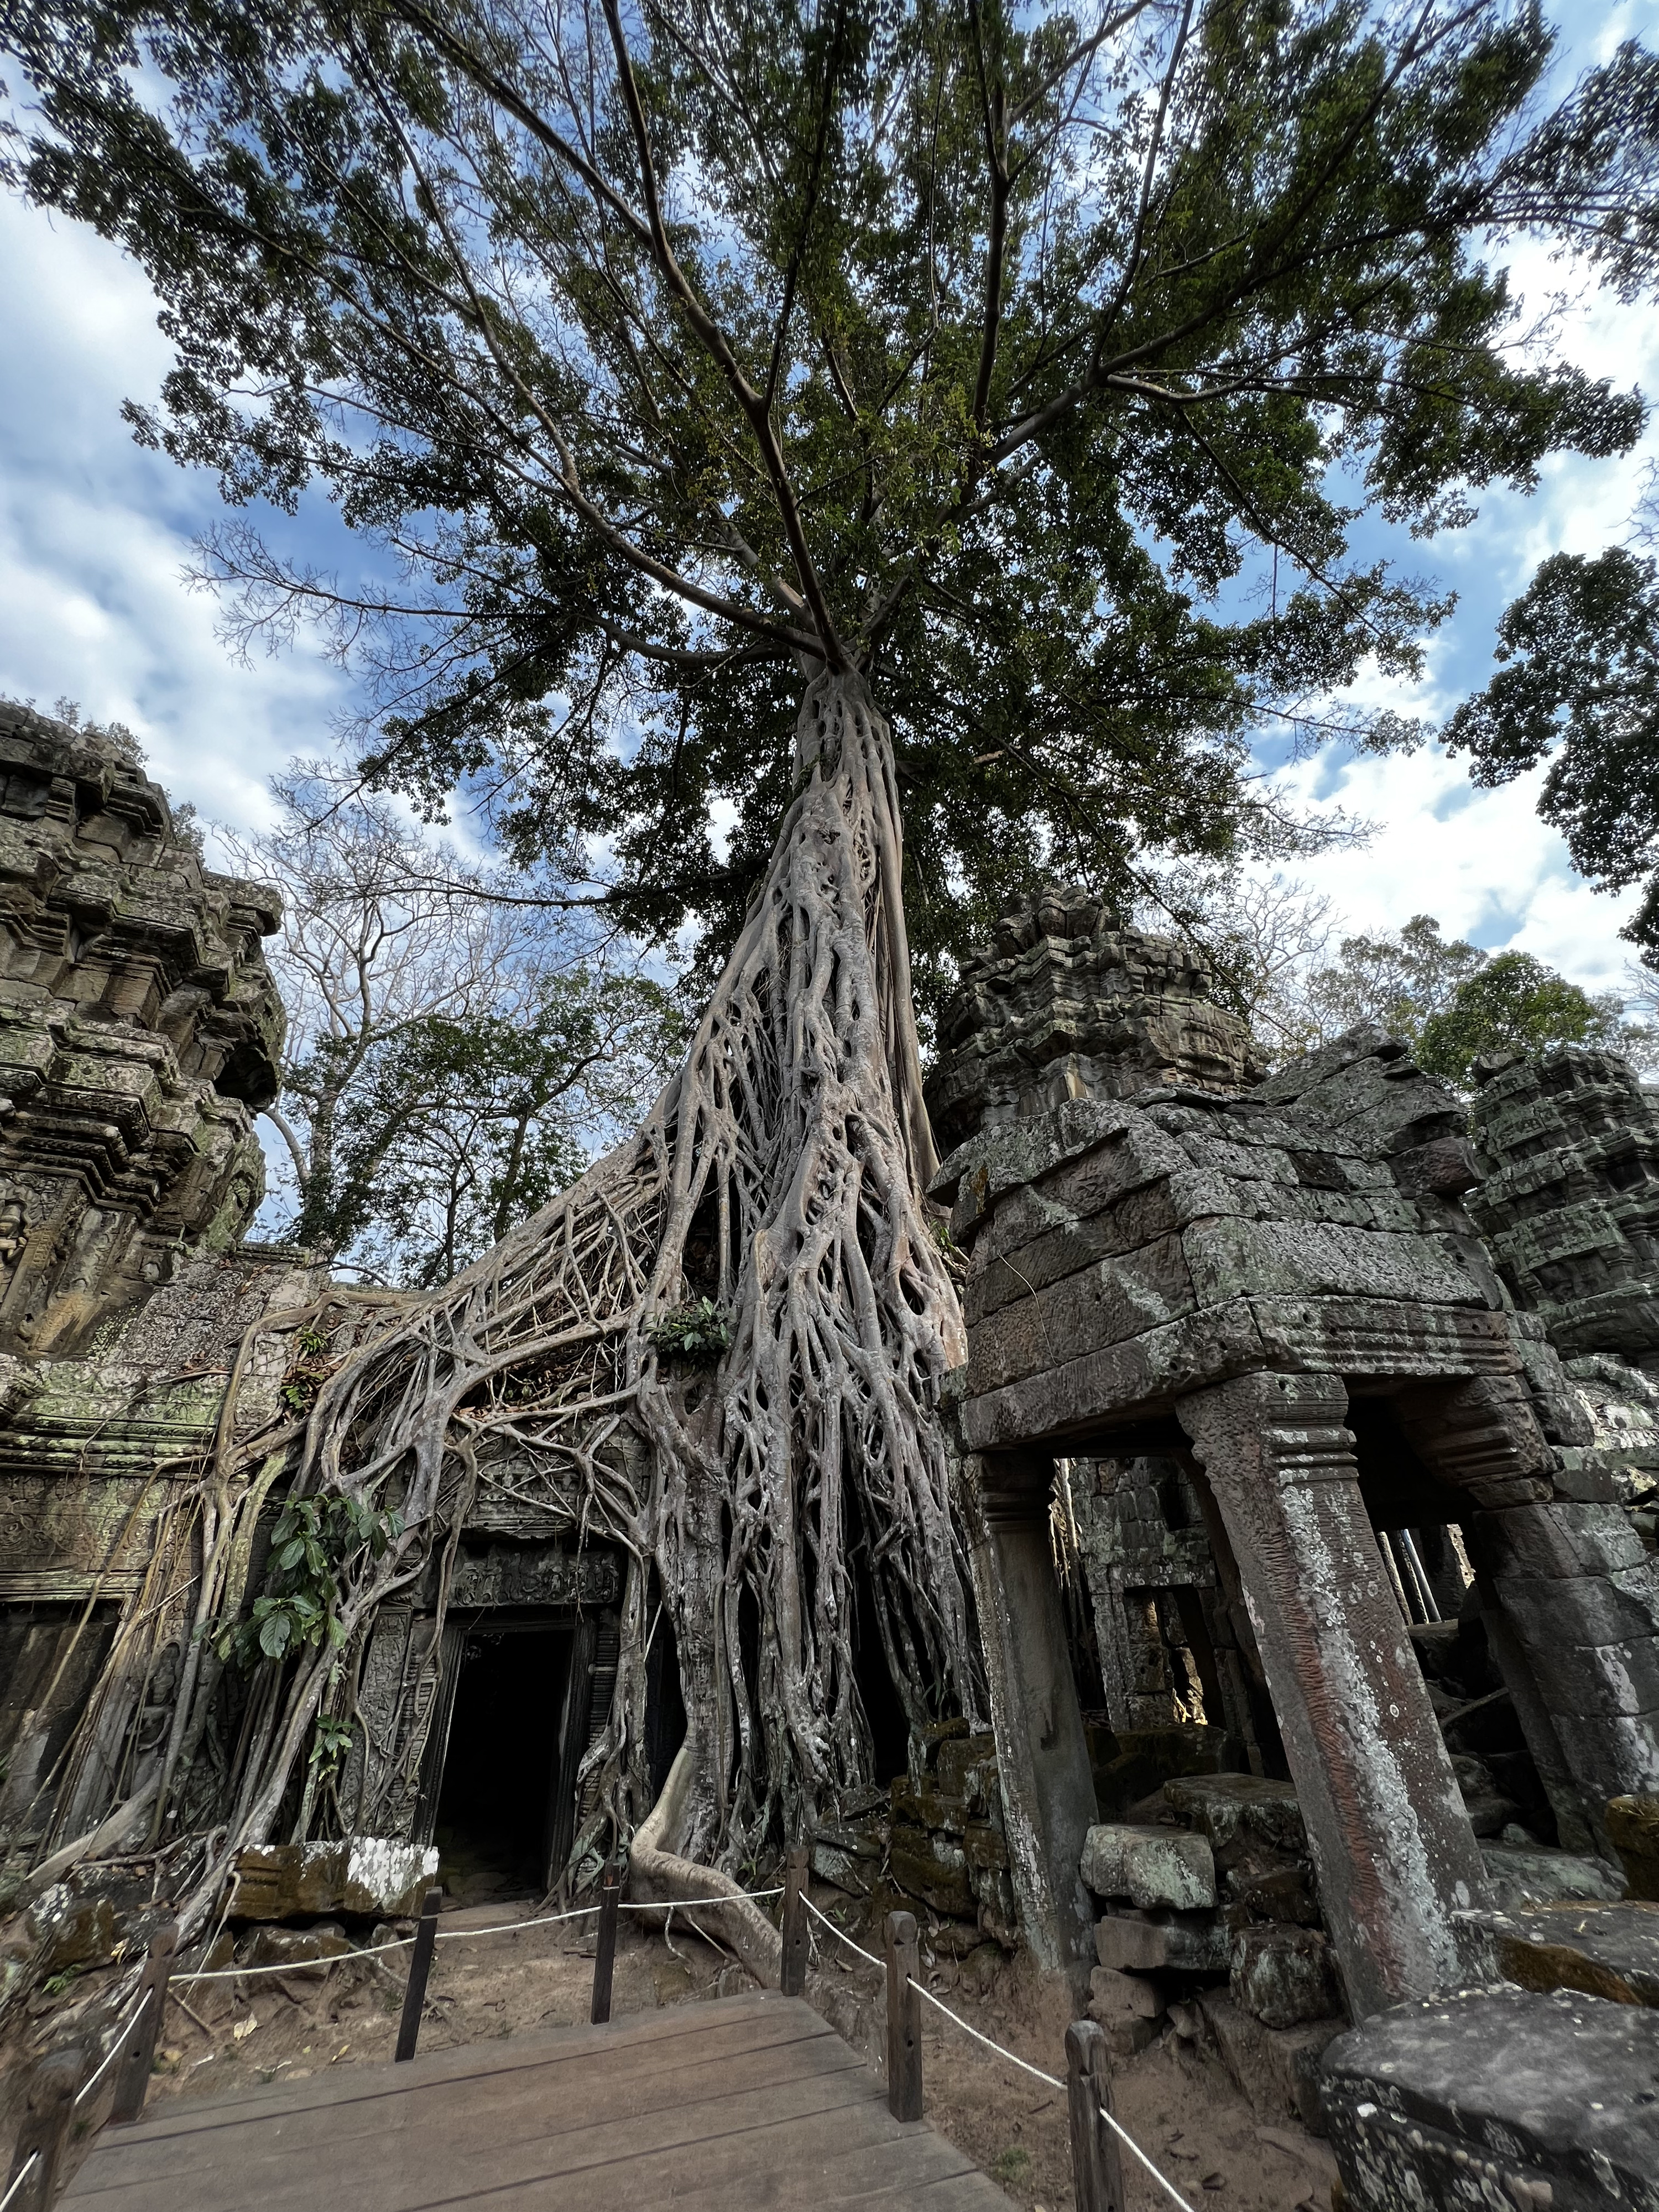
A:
(1513, 1003)
(1035, 362)
(1578, 684)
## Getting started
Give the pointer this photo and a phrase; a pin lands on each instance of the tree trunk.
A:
(780, 1174)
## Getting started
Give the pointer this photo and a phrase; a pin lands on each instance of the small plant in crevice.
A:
(314, 1540)
(697, 1333)
(305, 1378)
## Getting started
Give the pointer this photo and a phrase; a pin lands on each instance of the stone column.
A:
(1043, 1755)
(1385, 1820)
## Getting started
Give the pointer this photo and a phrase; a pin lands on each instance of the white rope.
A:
(1025, 2066)
(20, 2177)
(510, 1927)
(842, 1937)
(698, 1903)
(112, 2054)
(454, 1935)
(294, 1966)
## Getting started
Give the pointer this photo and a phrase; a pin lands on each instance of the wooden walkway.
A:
(736, 2105)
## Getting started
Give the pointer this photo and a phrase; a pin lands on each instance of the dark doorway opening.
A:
(499, 1808)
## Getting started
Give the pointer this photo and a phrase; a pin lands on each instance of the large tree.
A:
(952, 415)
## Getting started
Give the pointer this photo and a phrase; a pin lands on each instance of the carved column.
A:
(1390, 1838)
(1042, 1754)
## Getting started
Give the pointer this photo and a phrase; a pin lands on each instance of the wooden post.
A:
(48, 2111)
(903, 2018)
(138, 2045)
(793, 1981)
(420, 1965)
(1096, 2161)
(604, 1951)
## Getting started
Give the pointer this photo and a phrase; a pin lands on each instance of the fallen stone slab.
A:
(373, 1875)
(1149, 1866)
(300, 1949)
(1494, 2098)
(1516, 1876)
(1176, 1942)
(1234, 1810)
(1609, 1951)
(1284, 1975)
(1276, 2069)
(1115, 1995)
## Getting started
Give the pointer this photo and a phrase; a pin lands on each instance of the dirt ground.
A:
(1177, 2102)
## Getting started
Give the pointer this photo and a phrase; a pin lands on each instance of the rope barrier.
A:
(457, 1935)
(20, 2177)
(109, 2056)
(880, 1965)
(1014, 2059)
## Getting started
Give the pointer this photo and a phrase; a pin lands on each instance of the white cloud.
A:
(95, 534)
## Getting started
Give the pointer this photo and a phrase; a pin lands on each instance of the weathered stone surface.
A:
(138, 1032)
(933, 1867)
(1065, 1001)
(1522, 1875)
(1634, 1831)
(1234, 1810)
(1277, 2069)
(1283, 1975)
(300, 1949)
(1115, 1995)
(1607, 1950)
(70, 1930)
(1497, 2097)
(1150, 1867)
(1178, 1943)
(372, 1874)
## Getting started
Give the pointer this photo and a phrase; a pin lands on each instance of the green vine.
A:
(315, 1540)
(698, 1333)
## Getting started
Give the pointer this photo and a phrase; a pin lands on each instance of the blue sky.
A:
(95, 533)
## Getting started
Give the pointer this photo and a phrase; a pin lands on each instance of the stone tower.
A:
(1066, 1004)
(139, 1030)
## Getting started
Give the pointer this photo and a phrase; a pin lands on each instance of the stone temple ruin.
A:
(1309, 1443)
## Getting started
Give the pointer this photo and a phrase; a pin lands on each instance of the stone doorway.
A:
(515, 1696)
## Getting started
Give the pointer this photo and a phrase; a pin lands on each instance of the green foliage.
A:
(1512, 1003)
(453, 1129)
(331, 1741)
(314, 1540)
(1578, 685)
(1395, 981)
(698, 1334)
(1002, 353)
(307, 1373)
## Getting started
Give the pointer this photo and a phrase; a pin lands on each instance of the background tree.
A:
(1450, 1001)
(452, 1057)
(1514, 1003)
(1577, 685)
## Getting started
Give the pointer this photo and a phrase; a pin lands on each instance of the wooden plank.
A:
(561, 2076)
(746, 2104)
(472, 2061)
(793, 2163)
(485, 2117)
(415, 2166)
